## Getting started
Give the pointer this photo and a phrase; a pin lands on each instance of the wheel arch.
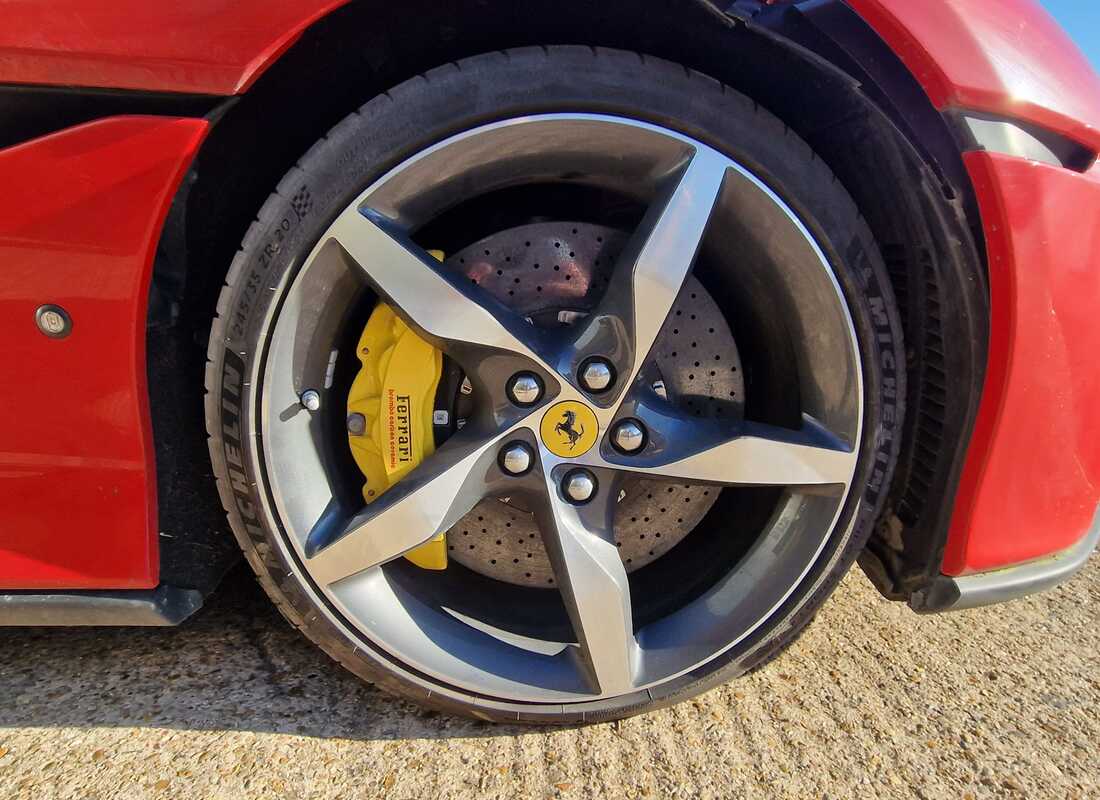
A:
(917, 200)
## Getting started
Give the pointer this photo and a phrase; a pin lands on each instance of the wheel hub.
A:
(554, 273)
(569, 429)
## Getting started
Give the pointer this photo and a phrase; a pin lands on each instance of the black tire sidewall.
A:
(457, 97)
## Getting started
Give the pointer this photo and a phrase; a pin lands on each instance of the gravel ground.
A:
(873, 701)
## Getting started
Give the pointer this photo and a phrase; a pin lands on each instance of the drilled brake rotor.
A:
(553, 273)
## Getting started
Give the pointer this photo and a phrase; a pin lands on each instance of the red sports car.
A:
(552, 360)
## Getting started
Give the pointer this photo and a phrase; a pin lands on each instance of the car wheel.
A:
(555, 384)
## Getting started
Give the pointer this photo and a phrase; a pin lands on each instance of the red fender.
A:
(80, 216)
(1031, 482)
(1004, 57)
(199, 46)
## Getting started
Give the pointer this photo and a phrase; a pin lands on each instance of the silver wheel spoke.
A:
(427, 502)
(411, 280)
(651, 270)
(757, 455)
(594, 585)
(670, 247)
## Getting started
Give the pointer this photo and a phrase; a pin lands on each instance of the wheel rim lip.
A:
(348, 619)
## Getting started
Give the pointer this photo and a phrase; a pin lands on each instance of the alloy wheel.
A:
(599, 370)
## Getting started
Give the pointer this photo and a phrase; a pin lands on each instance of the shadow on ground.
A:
(236, 665)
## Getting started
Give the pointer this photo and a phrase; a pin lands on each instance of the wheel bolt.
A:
(311, 401)
(596, 375)
(579, 486)
(628, 436)
(357, 424)
(524, 389)
(516, 458)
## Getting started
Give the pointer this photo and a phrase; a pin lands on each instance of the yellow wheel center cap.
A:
(569, 428)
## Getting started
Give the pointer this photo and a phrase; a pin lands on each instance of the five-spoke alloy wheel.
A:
(679, 390)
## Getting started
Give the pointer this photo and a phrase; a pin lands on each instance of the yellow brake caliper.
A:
(395, 392)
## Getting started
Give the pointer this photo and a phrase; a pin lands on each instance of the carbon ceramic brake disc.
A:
(554, 272)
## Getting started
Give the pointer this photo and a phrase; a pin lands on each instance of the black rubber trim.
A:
(163, 606)
(986, 588)
(1013, 137)
(30, 112)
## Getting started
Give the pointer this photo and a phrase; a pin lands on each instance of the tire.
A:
(455, 98)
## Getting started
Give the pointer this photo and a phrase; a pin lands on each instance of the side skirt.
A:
(984, 588)
(163, 606)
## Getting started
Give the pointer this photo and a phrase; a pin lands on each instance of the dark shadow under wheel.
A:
(708, 325)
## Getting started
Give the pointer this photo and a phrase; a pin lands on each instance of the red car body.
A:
(84, 206)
